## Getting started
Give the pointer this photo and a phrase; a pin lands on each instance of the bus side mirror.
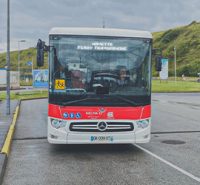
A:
(40, 53)
(158, 63)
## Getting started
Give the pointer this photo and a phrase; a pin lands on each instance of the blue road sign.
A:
(40, 78)
(29, 63)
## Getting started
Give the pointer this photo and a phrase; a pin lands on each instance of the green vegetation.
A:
(172, 86)
(157, 86)
(25, 56)
(186, 40)
(25, 95)
(24, 83)
(25, 70)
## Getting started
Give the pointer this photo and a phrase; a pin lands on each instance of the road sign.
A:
(164, 71)
(60, 84)
(2, 76)
(29, 63)
(40, 78)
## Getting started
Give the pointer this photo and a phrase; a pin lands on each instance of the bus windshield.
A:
(99, 71)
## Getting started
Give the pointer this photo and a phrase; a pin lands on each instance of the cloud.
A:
(34, 19)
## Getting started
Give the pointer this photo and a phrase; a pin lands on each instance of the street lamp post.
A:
(19, 57)
(175, 63)
(8, 60)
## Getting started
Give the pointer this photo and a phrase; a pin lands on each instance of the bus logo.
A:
(102, 110)
(102, 126)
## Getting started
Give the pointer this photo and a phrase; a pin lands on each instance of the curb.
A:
(33, 99)
(7, 143)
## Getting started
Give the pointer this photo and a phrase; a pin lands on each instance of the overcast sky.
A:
(31, 20)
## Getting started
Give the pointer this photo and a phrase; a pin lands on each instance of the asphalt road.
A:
(172, 156)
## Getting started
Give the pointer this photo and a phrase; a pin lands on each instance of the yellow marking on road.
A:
(7, 143)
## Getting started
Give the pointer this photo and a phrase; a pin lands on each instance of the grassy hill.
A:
(25, 56)
(186, 39)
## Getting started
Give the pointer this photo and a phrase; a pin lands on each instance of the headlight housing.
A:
(143, 123)
(58, 123)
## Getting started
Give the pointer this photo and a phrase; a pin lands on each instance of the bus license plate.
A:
(101, 138)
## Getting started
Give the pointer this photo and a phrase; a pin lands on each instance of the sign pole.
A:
(19, 61)
(8, 60)
(32, 70)
(175, 63)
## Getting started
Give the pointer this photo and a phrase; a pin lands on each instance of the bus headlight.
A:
(143, 123)
(58, 123)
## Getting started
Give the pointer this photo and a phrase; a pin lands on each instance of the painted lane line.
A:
(169, 164)
(176, 132)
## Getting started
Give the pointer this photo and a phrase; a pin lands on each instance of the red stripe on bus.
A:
(84, 112)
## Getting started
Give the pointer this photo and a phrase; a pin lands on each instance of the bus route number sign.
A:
(59, 84)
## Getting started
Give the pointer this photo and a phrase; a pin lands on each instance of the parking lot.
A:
(172, 156)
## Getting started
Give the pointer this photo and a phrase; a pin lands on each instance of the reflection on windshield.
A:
(100, 66)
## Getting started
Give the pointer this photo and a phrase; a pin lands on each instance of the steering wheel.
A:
(113, 86)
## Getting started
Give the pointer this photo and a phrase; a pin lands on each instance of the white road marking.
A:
(169, 164)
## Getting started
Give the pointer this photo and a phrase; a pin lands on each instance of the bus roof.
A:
(100, 32)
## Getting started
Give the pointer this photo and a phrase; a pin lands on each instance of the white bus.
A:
(99, 85)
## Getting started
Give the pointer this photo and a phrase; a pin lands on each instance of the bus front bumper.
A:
(61, 136)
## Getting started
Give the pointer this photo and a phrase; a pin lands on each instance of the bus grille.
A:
(94, 126)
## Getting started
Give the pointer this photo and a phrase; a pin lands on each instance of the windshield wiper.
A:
(126, 100)
(115, 96)
(75, 101)
(82, 100)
